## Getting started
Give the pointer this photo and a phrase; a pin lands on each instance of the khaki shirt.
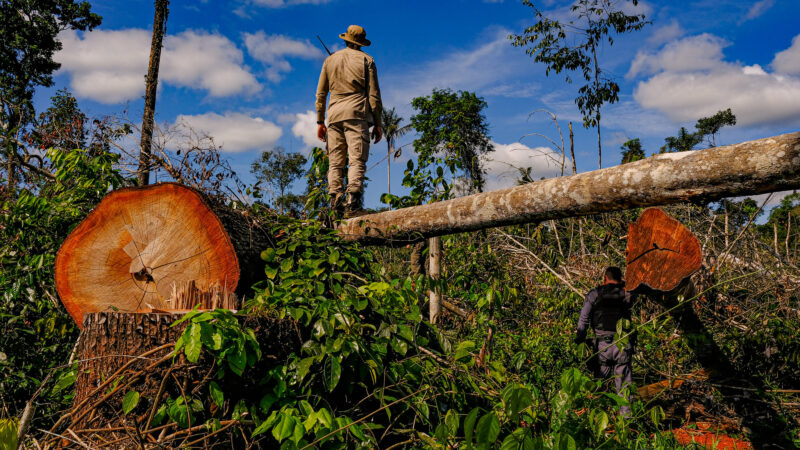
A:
(347, 75)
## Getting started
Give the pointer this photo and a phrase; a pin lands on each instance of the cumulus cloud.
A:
(692, 54)
(273, 50)
(689, 79)
(758, 9)
(502, 165)
(234, 132)
(788, 61)
(666, 33)
(109, 66)
(305, 127)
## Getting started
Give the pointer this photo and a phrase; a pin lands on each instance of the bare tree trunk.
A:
(788, 232)
(435, 268)
(572, 150)
(558, 239)
(727, 233)
(151, 87)
(11, 170)
(597, 88)
(755, 167)
(775, 237)
(389, 171)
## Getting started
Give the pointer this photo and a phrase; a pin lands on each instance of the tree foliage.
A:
(278, 169)
(632, 151)
(29, 32)
(573, 46)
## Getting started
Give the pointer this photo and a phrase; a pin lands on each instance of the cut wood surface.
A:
(765, 165)
(661, 252)
(141, 244)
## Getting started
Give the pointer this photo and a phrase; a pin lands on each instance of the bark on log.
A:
(139, 243)
(111, 340)
(755, 167)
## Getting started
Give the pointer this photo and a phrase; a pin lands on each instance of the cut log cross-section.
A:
(141, 245)
(661, 252)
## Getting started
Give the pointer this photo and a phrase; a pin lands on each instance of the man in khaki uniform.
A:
(349, 75)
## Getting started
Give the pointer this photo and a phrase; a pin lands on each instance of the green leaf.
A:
(452, 422)
(268, 255)
(286, 264)
(284, 428)
(463, 349)
(194, 343)
(271, 272)
(563, 441)
(488, 429)
(599, 421)
(130, 401)
(216, 393)
(469, 424)
(302, 368)
(333, 371)
(237, 360)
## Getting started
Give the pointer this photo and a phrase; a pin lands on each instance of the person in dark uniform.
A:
(607, 309)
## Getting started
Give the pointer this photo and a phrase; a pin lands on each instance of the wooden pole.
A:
(755, 167)
(435, 267)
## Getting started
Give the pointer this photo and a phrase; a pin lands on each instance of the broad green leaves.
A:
(130, 401)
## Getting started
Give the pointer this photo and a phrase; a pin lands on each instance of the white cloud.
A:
(788, 61)
(666, 33)
(758, 9)
(691, 80)
(273, 50)
(502, 164)
(234, 132)
(305, 127)
(109, 66)
(686, 55)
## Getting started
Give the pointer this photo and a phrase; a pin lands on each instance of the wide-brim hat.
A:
(355, 35)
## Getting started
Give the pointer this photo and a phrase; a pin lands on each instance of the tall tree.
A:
(632, 151)
(710, 126)
(392, 130)
(452, 125)
(278, 170)
(706, 126)
(573, 46)
(151, 87)
(28, 40)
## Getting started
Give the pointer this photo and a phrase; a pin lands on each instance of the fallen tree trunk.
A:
(141, 245)
(755, 167)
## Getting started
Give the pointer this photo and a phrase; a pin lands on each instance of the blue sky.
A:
(245, 72)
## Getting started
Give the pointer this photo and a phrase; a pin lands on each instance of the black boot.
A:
(337, 205)
(353, 206)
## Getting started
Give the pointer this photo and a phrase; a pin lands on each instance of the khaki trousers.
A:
(347, 140)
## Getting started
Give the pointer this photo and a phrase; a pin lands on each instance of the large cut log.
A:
(755, 167)
(140, 245)
(661, 252)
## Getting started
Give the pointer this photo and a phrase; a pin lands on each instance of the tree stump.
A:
(141, 244)
(120, 352)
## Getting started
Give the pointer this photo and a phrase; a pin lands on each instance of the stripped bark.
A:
(755, 167)
(151, 87)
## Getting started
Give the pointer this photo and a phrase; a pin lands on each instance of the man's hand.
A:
(322, 132)
(377, 134)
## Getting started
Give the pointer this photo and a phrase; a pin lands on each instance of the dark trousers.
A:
(615, 362)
